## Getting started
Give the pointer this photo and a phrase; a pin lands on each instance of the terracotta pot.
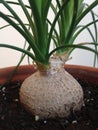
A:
(86, 73)
(89, 74)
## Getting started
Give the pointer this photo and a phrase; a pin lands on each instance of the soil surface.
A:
(13, 116)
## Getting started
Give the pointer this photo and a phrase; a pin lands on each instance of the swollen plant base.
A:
(51, 94)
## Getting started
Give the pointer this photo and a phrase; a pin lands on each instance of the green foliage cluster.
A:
(40, 32)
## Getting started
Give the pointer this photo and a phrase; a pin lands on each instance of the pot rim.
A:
(78, 71)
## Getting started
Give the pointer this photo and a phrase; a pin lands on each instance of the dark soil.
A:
(13, 116)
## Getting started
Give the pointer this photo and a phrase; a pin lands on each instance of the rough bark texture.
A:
(54, 93)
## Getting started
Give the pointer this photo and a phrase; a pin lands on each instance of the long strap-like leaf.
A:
(86, 11)
(12, 23)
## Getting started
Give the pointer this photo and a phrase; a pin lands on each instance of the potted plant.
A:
(44, 92)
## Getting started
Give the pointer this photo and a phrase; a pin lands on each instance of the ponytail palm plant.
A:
(52, 83)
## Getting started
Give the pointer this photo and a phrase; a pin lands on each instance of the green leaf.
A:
(39, 27)
(74, 47)
(38, 4)
(18, 49)
(87, 10)
(54, 23)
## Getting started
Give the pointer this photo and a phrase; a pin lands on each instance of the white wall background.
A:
(10, 57)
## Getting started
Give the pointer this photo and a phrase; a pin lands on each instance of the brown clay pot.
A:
(89, 74)
(86, 73)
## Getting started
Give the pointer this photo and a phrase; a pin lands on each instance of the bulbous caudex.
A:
(52, 93)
